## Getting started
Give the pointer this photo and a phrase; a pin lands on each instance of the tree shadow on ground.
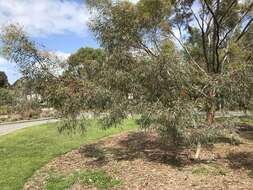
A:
(138, 145)
(247, 135)
(245, 131)
(241, 160)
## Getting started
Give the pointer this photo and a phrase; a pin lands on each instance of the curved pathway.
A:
(6, 128)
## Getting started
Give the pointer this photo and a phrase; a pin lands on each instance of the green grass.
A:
(27, 150)
(201, 170)
(98, 179)
(246, 119)
(240, 119)
(213, 169)
(60, 182)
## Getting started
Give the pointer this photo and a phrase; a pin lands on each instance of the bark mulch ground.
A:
(139, 160)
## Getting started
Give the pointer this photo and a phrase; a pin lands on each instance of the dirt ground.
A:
(139, 160)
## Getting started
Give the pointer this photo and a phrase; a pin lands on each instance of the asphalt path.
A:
(6, 128)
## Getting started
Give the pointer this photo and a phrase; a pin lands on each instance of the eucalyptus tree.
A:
(170, 89)
(208, 31)
(167, 61)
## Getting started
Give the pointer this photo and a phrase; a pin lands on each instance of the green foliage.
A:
(169, 89)
(15, 100)
(3, 80)
(85, 63)
(6, 97)
(71, 125)
(4, 110)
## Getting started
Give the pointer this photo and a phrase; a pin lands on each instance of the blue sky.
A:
(62, 44)
(59, 25)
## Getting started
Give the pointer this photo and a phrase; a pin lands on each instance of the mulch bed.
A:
(139, 160)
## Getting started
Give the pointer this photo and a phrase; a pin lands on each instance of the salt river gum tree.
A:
(170, 90)
(168, 61)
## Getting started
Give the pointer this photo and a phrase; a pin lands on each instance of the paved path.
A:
(11, 127)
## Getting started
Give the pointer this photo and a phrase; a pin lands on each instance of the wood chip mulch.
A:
(139, 160)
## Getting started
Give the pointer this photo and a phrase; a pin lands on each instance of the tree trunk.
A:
(210, 114)
(198, 149)
(211, 108)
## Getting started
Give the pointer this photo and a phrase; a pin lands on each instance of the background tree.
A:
(3, 80)
(6, 95)
(85, 62)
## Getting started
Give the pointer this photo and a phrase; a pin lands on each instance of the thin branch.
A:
(239, 22)
(227, 11)
(215, 33)
(203, 38)
(211, 11)
(244, 29)
(217, 39)
(146, 49)
(187, 51)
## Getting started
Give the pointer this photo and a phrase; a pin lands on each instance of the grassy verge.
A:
(25, 151)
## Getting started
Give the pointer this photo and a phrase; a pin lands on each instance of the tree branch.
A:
(239, 22)
(201, 26)
(244, 30)
(227, 11)
(187, 51)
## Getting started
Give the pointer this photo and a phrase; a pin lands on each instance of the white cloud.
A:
(134, 1)
(62, 55)
(2, 61)
(44, 17)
